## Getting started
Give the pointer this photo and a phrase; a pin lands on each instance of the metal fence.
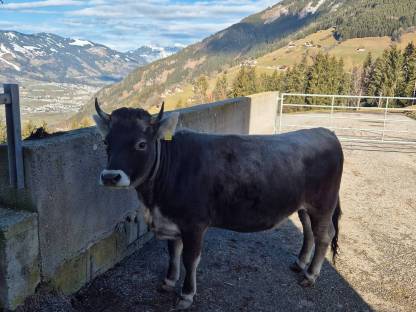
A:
(10, 98)
(351, 117)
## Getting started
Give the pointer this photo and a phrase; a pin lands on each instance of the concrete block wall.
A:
(19, 256)
(82, 229)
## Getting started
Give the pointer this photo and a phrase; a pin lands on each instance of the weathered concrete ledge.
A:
(83, 229)
(19, 256)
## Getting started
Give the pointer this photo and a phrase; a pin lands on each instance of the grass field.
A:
(352, 51)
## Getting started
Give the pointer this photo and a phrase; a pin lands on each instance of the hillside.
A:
(352, 51)
(256, 36)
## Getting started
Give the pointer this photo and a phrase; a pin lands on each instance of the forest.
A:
(392, 74)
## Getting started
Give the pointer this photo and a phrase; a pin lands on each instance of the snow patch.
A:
(18, 48)
(5, 50)
(10, 35)
(30, 48)
(80, 43)
(35, 50)
(310, 9)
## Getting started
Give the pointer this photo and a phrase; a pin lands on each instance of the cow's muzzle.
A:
(114, 178)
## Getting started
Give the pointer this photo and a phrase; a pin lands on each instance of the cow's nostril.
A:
(110, 178)
(116, 178)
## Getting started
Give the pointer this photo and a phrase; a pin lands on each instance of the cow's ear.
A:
(167, 126)
(103, 125)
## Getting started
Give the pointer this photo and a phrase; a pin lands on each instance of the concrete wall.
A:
(83, 228)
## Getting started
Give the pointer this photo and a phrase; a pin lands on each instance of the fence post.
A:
(14, 138)
(332, 111)
(385, 118)
(276, 113)
(281, 113)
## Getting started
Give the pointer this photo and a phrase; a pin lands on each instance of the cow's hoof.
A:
(166, 288)
(183, 304)
(308, 280)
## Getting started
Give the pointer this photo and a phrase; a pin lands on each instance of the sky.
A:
(127, 24)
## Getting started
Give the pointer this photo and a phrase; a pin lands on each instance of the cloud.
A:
(40, 4)
(127, 24)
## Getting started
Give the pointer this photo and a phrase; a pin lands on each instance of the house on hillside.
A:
(291, 45)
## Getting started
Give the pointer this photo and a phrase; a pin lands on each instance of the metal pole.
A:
(414, 94)
(385, 119)
(332, 111)
(379, 100)
(277, 112)
(14, 138)
(281, 114)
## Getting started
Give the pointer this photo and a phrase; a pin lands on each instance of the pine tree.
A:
(244, 83)
(375, 84)
(221, 88)
(409, 71)
(367, 73)
(200, 87)
(318, 78)
(394, 76)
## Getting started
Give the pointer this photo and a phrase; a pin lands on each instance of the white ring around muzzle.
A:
(123, 182)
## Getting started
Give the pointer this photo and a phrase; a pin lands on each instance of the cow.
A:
(189, 182)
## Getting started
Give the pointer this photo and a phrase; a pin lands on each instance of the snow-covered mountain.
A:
(48, 57)
(153, 53)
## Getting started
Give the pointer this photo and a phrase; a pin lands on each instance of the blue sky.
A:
(127, 24)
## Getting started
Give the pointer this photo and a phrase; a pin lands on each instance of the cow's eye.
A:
(141, 145)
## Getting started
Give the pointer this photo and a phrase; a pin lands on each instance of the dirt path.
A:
(249, 272)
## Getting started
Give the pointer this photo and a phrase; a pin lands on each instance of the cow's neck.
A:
(156, 185)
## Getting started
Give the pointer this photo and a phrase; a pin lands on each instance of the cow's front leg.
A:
(192, 245)
(175, 251)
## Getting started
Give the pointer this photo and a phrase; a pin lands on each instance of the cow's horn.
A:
(100, 112)
(160, 115)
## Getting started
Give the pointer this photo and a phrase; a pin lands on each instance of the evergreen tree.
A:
(221, 88)
(318, 78)
(375, 84)
(244, 83)
(409, 71)
(367, 73)
(200, 87)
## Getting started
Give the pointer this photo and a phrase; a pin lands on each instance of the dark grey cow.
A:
(194, 181)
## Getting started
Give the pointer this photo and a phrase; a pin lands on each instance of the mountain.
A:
(48, 57)
(256, 36)
(152, 53)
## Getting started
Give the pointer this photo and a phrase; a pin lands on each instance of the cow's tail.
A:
(335, 220)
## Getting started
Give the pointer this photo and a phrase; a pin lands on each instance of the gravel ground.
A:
(249, 272)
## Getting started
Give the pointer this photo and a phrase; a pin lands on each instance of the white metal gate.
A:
(352, 122)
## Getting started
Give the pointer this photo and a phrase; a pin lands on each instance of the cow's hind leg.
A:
(323, 232)
(192, 245)
(175, 251)
(308, 243)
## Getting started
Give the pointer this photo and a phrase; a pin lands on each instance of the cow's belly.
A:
(162, 227)
(246, 219)
(250, 226)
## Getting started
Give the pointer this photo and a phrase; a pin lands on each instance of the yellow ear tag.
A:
(168, 136)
